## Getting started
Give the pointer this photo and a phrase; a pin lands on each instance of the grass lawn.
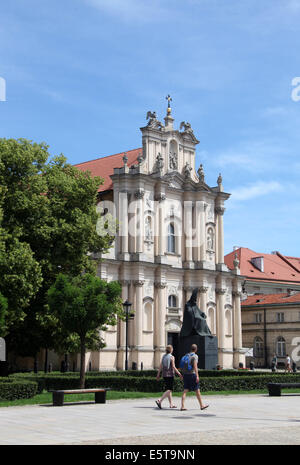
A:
(46, 397)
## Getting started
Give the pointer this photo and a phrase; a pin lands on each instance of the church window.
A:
(171, 238)
(172, 301)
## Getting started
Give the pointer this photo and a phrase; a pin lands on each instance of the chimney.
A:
(258, 262)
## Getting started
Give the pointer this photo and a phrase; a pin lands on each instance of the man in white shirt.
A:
(288, 364)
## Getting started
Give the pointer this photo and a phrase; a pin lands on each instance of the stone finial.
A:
(236, 261)
(140, 159)
(125, 159)
(219, 181)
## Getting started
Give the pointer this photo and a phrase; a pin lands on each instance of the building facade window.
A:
(172, 301)
(258, 347)
(280, 317)
(280, 347)
(258, 317)
(171, 238)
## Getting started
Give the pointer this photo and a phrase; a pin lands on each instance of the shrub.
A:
(11, 389)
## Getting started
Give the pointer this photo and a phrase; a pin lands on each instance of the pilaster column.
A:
(200, 231)
(188, 292)
(188, 230)
(220, 235)
(203, 290)
(138, 312)
(124, 221)
(160, 318)
(237, 328)
(220, 292)
(139, 195)
(161, 229)
(122, 328)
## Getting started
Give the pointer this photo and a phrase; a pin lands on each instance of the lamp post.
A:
(127, 306)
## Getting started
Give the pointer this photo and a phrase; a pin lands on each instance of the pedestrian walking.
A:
(168, 369)
(288, 364)
(274, 362)
(189, 367)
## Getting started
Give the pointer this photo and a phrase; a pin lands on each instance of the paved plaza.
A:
(234, 419)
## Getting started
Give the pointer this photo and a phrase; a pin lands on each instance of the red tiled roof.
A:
(104, 167)
(277, 267)
(265, 299)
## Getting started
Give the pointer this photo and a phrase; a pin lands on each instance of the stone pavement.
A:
(233, 419)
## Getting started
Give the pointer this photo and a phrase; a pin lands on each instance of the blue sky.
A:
(78, 72)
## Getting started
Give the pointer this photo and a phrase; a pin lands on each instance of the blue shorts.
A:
(189, 382)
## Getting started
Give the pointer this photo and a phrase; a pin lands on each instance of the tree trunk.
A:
(46, 361)
(82, 364)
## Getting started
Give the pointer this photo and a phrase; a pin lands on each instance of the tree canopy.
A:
(83, 306)
(48, 224)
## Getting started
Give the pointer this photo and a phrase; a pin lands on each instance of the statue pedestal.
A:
(207, 350)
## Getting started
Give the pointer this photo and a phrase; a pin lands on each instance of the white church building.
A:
(170, 240)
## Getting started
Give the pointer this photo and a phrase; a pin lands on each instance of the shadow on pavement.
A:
(66, 404)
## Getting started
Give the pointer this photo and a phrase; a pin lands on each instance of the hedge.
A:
(11, 389)
(149, 384)
(140, 373)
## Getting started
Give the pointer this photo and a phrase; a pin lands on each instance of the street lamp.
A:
(129, 316)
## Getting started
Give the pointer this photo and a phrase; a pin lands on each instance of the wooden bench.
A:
(275, 388)
(100, 395)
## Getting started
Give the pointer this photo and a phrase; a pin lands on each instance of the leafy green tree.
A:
(49, 224)
(83, 306)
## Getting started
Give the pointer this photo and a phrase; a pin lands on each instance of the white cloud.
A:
(254, 190)
(133, 10)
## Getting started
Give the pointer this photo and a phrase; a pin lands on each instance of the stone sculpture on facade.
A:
(187, 170)
(173, 161)
(153, 121)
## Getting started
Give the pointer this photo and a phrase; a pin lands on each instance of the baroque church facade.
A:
(170, 240)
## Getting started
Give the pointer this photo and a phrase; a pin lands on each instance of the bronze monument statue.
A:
(195, 330)
(194, 320)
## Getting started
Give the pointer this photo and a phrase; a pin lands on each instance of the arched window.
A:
(280, 347)
(172, 301)
(171, 238)
(258, 347)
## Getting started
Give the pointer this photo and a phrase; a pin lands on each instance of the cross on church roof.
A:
(169, 100)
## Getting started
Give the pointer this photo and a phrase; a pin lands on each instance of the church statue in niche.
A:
(173, 161)
(210, 239)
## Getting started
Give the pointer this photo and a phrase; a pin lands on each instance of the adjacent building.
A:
(271, 325)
